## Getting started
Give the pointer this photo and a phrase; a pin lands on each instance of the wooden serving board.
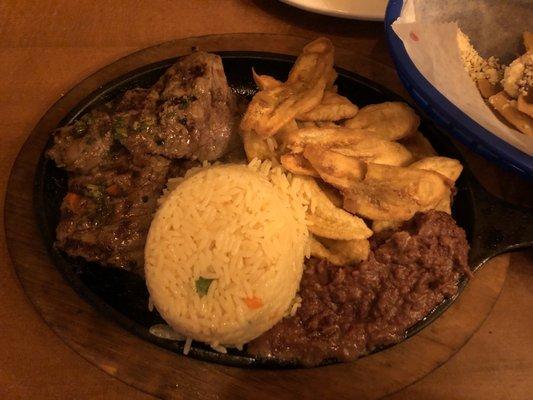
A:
(168, 375)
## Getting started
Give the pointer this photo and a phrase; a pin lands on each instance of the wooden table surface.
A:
(48, 46)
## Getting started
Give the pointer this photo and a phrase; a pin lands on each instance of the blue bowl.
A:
(447, 115)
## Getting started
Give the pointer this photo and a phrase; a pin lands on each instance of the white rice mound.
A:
(242, 226)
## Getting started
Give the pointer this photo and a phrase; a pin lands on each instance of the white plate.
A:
(371, 10)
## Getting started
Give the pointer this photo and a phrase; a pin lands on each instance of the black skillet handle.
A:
(498, 226)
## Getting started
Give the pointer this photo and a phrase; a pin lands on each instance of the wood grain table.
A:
(49, 46)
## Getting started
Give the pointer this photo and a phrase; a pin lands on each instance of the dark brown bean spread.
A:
(350, 310)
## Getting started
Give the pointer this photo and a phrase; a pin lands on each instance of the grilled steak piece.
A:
(190, 112)
(106, 215)
(83, 145)
(348, 311)
(120, 155)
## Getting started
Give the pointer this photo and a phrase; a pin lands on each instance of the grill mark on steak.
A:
(351, 310)
(120, 155)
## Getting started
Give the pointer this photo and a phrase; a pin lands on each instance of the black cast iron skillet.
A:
(492, 226)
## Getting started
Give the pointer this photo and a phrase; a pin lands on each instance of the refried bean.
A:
(348, 311)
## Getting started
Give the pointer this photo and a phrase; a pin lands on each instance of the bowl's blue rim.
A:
(444, 113)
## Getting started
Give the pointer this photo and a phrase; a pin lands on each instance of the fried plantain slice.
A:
(334, 168)
(333, 107)
(255, 147)
(334, 195)
(377, 151)
(326, 220)
(274, 107)
(448, 167)
(265, 82)
(297, 164)
(418, 146)
(395, 193)
(389, 120)
(384, 225)
(305, 66)
(445, 203)
(340, 252)
(327, 137)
